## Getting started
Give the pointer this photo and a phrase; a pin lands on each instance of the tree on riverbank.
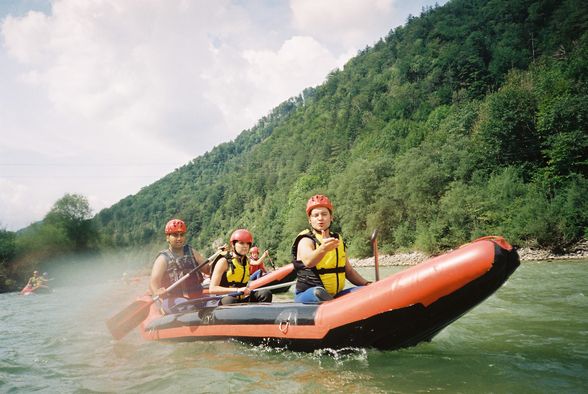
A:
(7, 252)
(67, 229)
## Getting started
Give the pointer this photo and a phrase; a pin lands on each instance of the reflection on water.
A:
(531, 336)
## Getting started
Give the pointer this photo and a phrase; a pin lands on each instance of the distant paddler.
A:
(35, 280)
(36, 283)
(256, 263)
(45, 279)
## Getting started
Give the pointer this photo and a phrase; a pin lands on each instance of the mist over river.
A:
(529, 337)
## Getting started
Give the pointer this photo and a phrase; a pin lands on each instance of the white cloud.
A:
(345, 23)
(104, 97)
(21, 34)
(264, 78)
(15, 204)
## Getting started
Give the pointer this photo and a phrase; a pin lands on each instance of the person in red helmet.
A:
(231, 273)
(173, 263)
(320, 257)
(256, 264)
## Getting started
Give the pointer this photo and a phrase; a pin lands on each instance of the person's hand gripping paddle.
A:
(126, 320)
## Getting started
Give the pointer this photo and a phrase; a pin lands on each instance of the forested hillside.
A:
(469, 120)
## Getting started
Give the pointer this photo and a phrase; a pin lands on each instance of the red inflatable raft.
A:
(27, 290)
(399, 311)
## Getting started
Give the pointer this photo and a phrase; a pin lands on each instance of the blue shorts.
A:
(256, 275)
(312, 294)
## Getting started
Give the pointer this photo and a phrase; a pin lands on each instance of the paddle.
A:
(202, 300)
(234, 294)
(374, 241)
(126, 320)
(272, 287)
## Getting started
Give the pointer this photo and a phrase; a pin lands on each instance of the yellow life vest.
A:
(328, 273)
(237, 274)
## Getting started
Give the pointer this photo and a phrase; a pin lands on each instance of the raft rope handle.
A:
(284, 327)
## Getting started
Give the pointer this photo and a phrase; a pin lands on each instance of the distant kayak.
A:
(399, 311)
(27, 290)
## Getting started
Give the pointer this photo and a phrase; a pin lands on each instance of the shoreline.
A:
(577, 252)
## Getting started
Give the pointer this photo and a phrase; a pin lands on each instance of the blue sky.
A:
(104, 97)
(22, 7)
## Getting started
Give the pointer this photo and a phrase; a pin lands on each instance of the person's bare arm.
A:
(310, 256)
(156, 279)
(353, 276)
(264, 256)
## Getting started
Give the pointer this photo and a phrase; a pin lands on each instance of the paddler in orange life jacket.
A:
(256, 264)
(230, 273)
(320, 258)
(173, 263)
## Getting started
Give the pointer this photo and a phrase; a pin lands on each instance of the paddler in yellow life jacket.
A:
(320, 258)
(173, 263)
(34, 281)
(230, 273)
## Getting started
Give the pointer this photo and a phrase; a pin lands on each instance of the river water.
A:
(529, 337)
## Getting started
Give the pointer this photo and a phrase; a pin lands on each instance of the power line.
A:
(79, 176)
(87, 164)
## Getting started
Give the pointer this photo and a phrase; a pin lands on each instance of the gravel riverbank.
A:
(578, 251)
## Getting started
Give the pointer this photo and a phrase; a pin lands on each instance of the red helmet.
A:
(316, 201)
(254, 249)
(175, 226)
(242, 235)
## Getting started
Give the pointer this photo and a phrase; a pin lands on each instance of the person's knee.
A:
(321, 294)
(263, 296)
(313, 295)
(256, 275)
(172, 305)
(228, 300)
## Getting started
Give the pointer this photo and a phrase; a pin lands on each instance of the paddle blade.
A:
(126, 320)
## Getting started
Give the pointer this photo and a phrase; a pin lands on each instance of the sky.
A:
(104, 97)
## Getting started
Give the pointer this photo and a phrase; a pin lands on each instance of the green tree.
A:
(506, 133)
(7, 253)
(7, 246)
(72, 213)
